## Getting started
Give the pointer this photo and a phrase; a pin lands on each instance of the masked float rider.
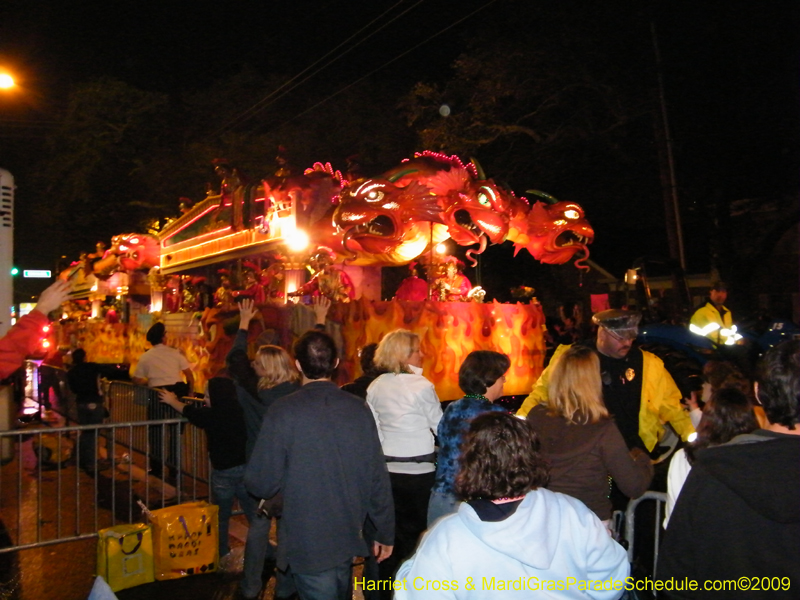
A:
(637, 389)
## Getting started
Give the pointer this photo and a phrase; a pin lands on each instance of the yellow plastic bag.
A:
(185, 539)
(125, 555)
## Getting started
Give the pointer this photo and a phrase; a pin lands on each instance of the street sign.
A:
(37, 274)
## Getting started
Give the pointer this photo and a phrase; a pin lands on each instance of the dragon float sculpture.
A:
(388, 220)
(392, 219)
(128, 252)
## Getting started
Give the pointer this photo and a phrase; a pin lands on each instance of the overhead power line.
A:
(282, 91)
(386, 64)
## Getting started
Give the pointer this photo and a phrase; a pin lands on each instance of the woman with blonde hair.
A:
(407, 412)
(580, 440)
(274, 368)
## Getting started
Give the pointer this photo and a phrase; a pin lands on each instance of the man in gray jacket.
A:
(319, 447)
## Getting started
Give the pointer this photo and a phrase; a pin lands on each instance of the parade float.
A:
(283, 239)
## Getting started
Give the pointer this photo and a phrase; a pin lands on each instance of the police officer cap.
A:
(624, 323)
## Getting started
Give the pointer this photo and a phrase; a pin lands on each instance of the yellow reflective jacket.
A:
(708, 313)
(661, 400)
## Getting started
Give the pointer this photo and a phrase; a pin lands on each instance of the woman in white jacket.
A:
(511, 535)
(407, 412)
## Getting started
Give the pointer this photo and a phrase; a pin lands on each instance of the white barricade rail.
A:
(660, 498)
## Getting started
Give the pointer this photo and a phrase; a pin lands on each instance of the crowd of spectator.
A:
(378, 469)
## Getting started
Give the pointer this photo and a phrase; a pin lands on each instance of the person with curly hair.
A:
(510, 528)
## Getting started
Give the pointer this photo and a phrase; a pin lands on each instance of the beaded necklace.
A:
(476, 397)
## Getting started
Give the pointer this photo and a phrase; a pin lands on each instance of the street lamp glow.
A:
(6, 81)
(297, 241)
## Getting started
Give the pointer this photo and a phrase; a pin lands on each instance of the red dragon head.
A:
(136, 251)
(474, 209)
(552, 232)
(388, 221)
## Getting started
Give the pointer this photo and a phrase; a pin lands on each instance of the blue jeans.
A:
(333, 584)
(226, 485)
(441, 504)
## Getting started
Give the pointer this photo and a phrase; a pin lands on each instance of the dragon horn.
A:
(400, 174)
(543, 195)
(478, 167)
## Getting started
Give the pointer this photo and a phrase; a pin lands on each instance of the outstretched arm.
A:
(320, 305)
(53, 297)
(237, 361)
(247, 310)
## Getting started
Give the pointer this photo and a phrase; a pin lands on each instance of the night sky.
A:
(730, 74)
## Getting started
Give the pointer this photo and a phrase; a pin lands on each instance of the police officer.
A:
(637, 389)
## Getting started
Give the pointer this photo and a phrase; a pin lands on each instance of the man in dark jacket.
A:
(83, 381)
(737, 519)
(320, 448)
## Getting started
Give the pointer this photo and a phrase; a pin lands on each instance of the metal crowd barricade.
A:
(45, 498)
(128, 403)
(660, 498)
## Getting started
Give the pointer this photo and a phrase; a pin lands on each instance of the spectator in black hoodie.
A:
(738, 516)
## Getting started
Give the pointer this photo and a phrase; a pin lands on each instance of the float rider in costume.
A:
(329, 280)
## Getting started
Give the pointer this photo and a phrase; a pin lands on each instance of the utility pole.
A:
(667, 165)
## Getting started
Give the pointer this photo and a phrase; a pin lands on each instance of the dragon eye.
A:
(571, 214)
(374, 196)
(486, 196)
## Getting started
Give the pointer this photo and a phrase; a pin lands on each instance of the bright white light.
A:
(710, 328)
(441, 248)
(692, 436)
(444, 110)
(6, 81)
(297, 241)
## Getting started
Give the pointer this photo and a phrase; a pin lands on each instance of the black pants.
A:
(411, 494)
(164, 439)
(90, 412)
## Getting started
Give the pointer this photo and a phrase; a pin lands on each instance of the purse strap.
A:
(139, 538)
